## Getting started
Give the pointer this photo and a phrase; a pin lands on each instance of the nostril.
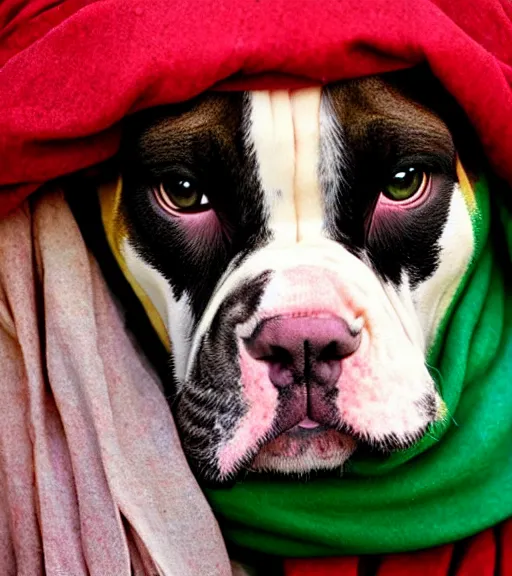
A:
(277, 355)
(330, 352)
(338, 349)
(280, 365)
(303, 349)
(281, 375)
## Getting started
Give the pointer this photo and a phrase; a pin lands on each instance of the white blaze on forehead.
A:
(271, 135)
(308, 195)
(285, 136)
(175, 313)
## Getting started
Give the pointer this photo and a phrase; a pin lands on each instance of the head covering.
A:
(72, 69)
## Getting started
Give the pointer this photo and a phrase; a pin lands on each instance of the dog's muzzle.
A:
(296, 369)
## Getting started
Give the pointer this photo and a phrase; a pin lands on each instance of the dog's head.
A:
(297, 250)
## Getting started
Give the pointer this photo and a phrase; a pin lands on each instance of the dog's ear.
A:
(420, 85)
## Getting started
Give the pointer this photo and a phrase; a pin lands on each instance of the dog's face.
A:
(298, 250)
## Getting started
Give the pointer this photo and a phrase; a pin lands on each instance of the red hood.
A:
(73, 69)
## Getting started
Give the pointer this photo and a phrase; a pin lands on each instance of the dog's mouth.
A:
(307, 445)
(310, 445)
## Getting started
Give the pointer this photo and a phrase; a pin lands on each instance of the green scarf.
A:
(435, 492)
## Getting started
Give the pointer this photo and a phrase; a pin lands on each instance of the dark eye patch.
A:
(203, 142)
(384, 132)
(407, 240)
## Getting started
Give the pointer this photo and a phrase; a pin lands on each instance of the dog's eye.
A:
(405, 184)
(181, 195)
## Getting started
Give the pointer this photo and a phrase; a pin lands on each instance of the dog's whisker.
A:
(436, 375)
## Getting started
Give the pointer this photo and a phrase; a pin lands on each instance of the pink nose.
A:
(303, 350)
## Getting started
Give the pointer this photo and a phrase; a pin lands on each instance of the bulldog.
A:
(296, 252)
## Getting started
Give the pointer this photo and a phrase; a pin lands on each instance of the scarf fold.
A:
(93, 480)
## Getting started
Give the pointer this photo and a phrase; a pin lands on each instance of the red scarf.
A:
(70, 70)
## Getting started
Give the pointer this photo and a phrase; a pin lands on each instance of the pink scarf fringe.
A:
(92, 475)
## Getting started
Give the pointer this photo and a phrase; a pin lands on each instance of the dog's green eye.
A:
(181, 194)
(405, 184)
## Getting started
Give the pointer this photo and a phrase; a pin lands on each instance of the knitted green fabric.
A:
(453, 483)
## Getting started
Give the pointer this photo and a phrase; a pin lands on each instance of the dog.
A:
(296, 252)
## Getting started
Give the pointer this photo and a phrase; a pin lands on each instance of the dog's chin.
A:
(300, 451)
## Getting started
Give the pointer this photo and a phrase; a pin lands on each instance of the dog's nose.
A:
(303, 350)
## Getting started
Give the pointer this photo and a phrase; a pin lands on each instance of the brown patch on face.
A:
(372, 109)
(387, 125)
(183, 132)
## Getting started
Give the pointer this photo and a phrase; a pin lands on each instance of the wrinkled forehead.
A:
(368, 110)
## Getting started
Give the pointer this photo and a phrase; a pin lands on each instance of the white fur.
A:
(272, 138)
(175, 313)
(432, 297)
(333, 163)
